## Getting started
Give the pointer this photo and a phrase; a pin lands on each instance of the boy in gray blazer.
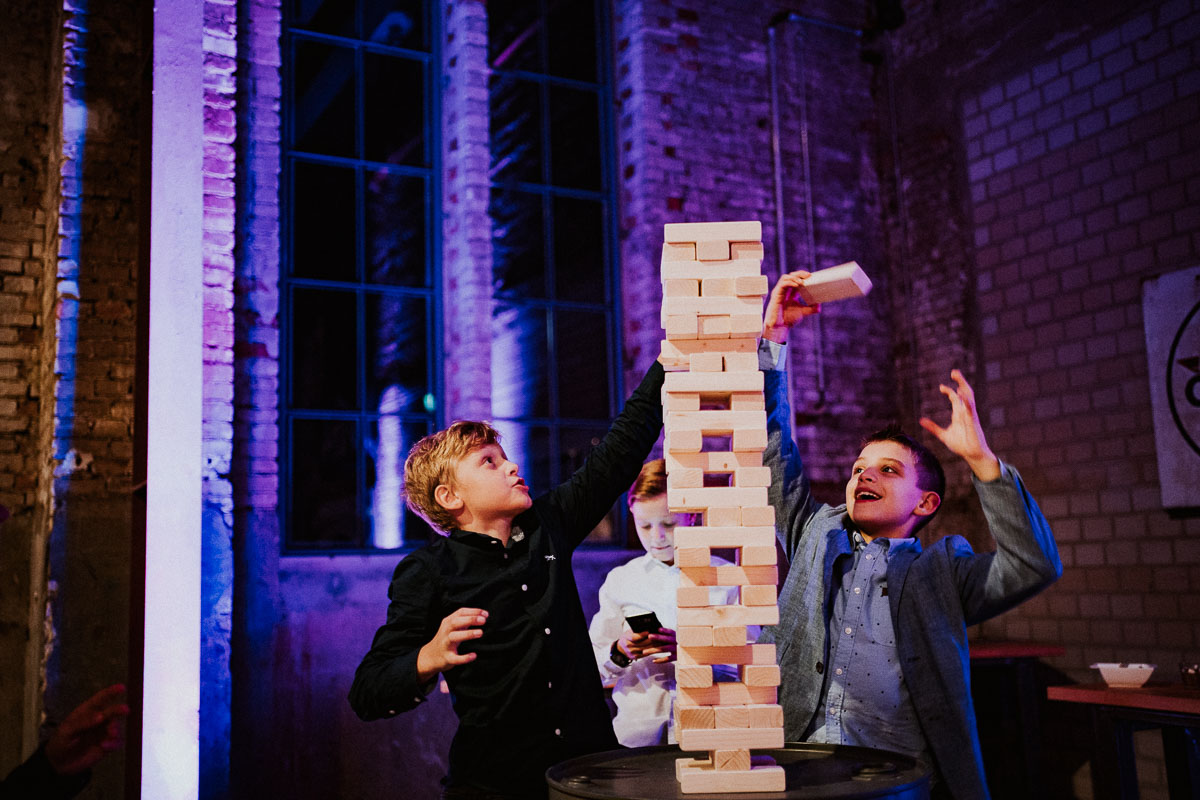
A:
(872, 639)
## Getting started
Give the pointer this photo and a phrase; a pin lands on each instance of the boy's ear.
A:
(447, 498)
(930, 501)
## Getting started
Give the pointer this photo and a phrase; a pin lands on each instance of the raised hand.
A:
(88, 732)
(785, 307)
(639, 644)
(964, 435)
(441, 653)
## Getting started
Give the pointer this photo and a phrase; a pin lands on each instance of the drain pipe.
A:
(777, 157)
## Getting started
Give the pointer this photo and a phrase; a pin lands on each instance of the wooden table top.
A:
(1172, 697)
(983, 648)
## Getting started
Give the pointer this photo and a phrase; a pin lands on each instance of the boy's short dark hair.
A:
(930, 476)
(431, 463)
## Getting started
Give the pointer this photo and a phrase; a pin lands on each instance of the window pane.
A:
(574, 138)
(580, 339)
(571, 40)
(516, 129)
(323, 106)
(389, 521)
(394, 109)
(323, 227)
(324, 471)
(514, 34)
(579, 251)
(397, 354)
(518, 244)
(574, 446)
(324, 350)
(397, 223)
(324, 16)
(528, 446)
(520, 364)
(397, 23)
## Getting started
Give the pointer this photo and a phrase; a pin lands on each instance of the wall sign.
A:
(1171, 314)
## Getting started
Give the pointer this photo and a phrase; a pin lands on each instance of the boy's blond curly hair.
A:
(431, 463)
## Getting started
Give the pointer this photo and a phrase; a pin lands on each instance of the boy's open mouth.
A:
(865, 496)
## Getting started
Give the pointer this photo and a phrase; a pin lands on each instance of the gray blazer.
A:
(935, 594)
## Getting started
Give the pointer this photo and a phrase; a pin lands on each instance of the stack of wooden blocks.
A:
(716, 430)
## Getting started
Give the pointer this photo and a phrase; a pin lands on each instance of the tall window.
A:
(361, 362)
(554, 327)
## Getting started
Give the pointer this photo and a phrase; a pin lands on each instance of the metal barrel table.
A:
(811, 770)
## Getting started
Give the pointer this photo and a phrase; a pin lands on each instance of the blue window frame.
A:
(361, 361)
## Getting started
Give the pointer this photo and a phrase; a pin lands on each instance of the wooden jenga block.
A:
(718, 616)
(739, 231)
(732, 717)
(675, 353)
(746, 251)
(723, 382)
(683, 326)
(729, 576)
(836, 283)
(714, 327)
(687, 479)
(748, 477)
(757, 556)
(680, 401)
(761, 515)
(765, 715)
(701, 777)
(712, 738)
(747, 285)
(758, 595)
(746, 401)
(678, 251)
(729, 636)
(692, 557)
(716, 250)
(715, 496)
(699, 270)
(709, 306)
(741, 653)
(721, 287)
(694, 597)
(684, 442)
(750, 438)
(758, 674)
(741, 362)
(696, 676)
(717, 422)
(713, 462)
(727, 693)
(722, 516)
(695, 717)
(683, 287)
(731, 759)
(706, 362)
(745, 325)
(704, 536)
(688, 636)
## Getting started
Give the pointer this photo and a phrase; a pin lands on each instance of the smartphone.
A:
(644, 623)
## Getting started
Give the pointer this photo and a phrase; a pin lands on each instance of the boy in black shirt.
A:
(493, 606)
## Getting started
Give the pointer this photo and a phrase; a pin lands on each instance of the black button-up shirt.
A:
(533, 696)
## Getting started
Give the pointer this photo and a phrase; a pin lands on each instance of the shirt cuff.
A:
(772, 356)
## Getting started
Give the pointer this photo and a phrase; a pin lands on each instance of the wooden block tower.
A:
(716, 430)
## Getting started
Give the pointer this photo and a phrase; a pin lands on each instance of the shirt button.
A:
(858, 590)
(549, 684)
(558, 731)
(848, 630)
(838, 670)
(524, 587)
(868, 556)
(547, 631)
(391, 712)
(506, 556)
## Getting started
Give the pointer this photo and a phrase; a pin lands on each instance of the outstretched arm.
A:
(1026, 558)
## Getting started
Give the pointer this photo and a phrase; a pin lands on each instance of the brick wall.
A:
(694, 141)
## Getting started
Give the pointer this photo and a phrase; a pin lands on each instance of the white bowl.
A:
(1125, 676)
